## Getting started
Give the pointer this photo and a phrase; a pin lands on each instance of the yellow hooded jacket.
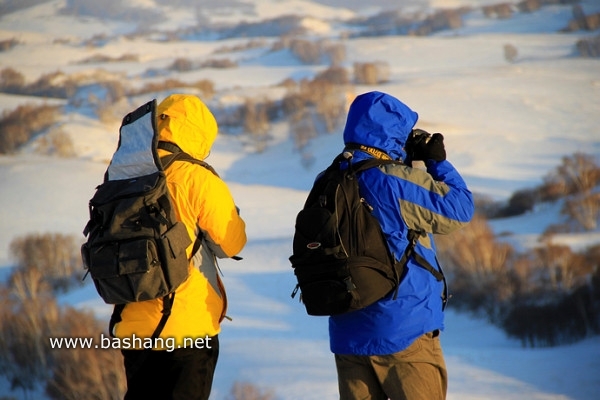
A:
(205, 205)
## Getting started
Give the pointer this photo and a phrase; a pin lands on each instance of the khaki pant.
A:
(416, 373)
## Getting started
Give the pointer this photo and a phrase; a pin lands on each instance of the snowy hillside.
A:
(506, 125)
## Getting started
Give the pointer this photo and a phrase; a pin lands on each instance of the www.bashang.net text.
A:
(128, 343)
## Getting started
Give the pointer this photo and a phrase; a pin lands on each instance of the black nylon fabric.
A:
(340, 256)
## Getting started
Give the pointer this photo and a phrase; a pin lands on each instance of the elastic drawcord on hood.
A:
(380, 120)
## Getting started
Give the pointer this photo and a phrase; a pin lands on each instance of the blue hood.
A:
(379, 120)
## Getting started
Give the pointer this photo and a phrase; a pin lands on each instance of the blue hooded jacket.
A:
(433, 201)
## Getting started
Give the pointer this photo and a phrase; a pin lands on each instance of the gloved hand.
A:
(435, 149)
(423, 146)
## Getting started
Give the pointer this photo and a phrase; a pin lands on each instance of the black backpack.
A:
(340, 255)
(136, 246)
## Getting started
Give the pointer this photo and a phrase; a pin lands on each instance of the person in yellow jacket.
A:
(203, 202)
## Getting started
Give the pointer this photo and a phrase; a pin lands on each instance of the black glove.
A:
(421, 145)
(435, 149)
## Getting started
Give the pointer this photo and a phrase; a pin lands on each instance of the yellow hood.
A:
(186, 121)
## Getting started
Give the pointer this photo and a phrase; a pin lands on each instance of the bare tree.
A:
(21, 124)
(30, 316)
(11, 80)
(371, 73)
(84, 373)
(256, 121)
(336, 52)
(576, 174)
(303, 128)
(27, 314)
(585, 209)
(561, 269)
(55, 255)
(478, 267)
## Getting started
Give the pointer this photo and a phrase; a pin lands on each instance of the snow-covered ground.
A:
(506, 126)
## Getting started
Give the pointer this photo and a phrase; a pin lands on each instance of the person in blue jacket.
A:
(391, 349)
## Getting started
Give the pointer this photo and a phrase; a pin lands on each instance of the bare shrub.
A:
(440, 20)
(577, 173)
(334, 74)
(219, 63)
(581, 21)
(248, 391)
(529, 5)
(251, 44)
(53, 84)
(589, 47)
(331, 106)
(11, 80)
(365, 73)
(182, 65)
(583, 208)
(256, 121)
(293, 102)
(84, 373)
(57, 142)
(477, 267)
(336, 53)
(30, 316)
(112, 112)
(559, 268)
(546, 297)
(102, 58)
(321, 98)
(303, 129)
(206, 86)
(54, 254)
(371, 73)
(307, 51)
(500, 10)
(386, 22)
(510, 53)
(312, 52)
(21, 124)
(559, 299)
(289, 84)
(8, 44)
(28, 312)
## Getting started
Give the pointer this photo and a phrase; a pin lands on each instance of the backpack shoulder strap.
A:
(413, 235)
(178, 154)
